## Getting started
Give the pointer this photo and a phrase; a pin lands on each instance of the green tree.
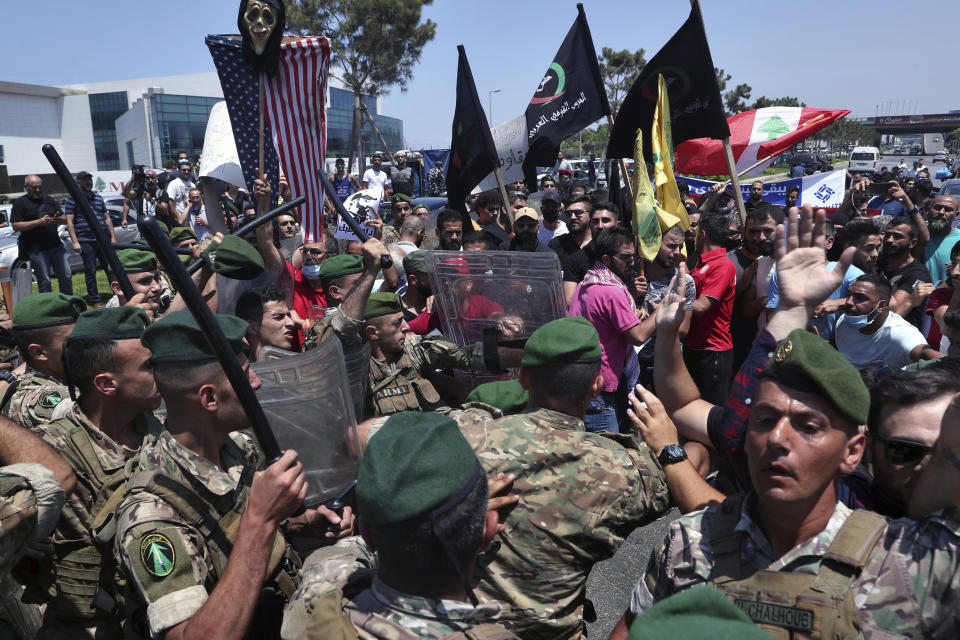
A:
(374, 44)
(763, 102)
(722, 78)
(619, 69)
(736, 99)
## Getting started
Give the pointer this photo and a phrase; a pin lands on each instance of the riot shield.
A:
(21, 276)
(306, 398)
(511, 292)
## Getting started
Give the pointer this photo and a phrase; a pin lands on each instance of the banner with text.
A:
(361, 206)
(510, 138)
(821, 190)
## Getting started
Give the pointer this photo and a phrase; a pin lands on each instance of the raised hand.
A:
(672, 307)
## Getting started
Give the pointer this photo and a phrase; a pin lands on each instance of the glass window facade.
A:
(105, 108)
(339, 122)
(179, 124)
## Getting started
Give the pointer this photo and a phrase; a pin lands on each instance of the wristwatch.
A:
(671, 454)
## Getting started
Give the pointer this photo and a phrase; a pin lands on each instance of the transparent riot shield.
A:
(511, 292)
(306, 397)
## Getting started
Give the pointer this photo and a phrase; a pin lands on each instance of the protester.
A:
(449, 230)
(943, 237)
(82, 236)
(401, 175)
(345, 183)
(35, 216)
(551, 226)
(376, 177)
(908, 278)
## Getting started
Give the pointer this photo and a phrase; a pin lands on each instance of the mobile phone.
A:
(879, 188)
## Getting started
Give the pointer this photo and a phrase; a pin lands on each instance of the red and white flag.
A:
(754, 135)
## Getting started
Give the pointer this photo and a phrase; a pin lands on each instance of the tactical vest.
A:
(795, 605)
(80, 579)
(328, 621)
(402, 389)
(217, 518)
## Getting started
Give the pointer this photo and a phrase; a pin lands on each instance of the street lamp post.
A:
(490, 104)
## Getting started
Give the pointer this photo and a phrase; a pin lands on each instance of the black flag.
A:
(570, 97)
(473, 154)
(695, 104)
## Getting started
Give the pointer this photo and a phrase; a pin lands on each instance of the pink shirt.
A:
(609, 310)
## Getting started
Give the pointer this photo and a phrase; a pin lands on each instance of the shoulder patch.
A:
(157, 555)
(783, 350)
(50, 399)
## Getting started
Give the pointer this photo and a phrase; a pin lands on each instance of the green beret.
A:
(177, 337)
(337, 266)
(47, 310)
(137, 260)
(415, 261)
(417, 464)
(506, 395)
(163, 226)
(382, 304)
(110, 323)
(692, 614)
(179, 234)
(808, 363)
(236, 258)
(400, 197)
(567, 340)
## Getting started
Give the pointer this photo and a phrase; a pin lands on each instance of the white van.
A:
(864, 160)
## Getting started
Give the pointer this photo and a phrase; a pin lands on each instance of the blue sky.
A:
(850, 54)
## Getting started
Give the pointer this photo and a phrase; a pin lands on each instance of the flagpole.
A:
(727, 149)
(503, 194)
(261, 169)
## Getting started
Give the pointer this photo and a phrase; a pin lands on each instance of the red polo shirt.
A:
(716, 277)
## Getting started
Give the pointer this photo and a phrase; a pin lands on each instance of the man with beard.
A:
(754, 268)
(791, 197)
(690, 238)
(527, 226)
(908, 278)
(449, 230)
(415, 299)
(570, 246)
(865, 236)
(936, 253)
(708, 351)
(401, 175)
(868, 335)
(551, 226)
(756, 196)
(35, 216)
(604, 298)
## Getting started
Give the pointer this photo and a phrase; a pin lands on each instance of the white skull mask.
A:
(260, 19)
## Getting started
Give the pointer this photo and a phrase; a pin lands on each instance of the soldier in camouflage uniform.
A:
(41, 323)
(145, 278)
(103, 429)
(194, 501)
(580, 493)
(423, 496)
(347, 281)
(404, 368)
(797, 561)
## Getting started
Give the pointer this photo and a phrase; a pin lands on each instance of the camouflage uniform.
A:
(334, 323)
(37, 400)
(345, 572)
(580, 493)
(30, 503)
(400, 386)
(389, 235)
(166, 291)
(79, 581)
(909, 584)
(176, 525)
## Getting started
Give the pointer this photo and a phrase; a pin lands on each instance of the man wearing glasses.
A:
(570, 247)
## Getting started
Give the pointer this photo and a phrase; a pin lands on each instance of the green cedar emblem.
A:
(774, 128)
(157, 555)
(51, 399)
(100, 185)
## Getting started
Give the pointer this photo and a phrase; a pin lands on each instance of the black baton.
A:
(80, 200)
(385, 261)
(167, 256)
(256, 222)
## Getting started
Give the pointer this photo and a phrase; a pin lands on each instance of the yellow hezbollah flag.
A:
(649, 220)
(668, 196)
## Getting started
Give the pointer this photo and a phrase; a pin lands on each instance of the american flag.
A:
(294, 118)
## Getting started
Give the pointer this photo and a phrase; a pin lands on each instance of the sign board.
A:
(510, 139)
(361, 206)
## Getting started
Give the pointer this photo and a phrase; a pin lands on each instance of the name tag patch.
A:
(777, 615)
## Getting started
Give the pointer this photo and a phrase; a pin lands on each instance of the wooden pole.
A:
(261, 168)
(353, 142)
(506, 201)
(373, 124)
(734, 180)
(752, 167)
(623, 167)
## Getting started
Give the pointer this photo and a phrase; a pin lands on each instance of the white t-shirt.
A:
(546, 235)
(890, 346)
(178, 190)
(375, 178)
(202, 230)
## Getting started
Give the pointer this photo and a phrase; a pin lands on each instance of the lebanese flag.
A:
(754, 135)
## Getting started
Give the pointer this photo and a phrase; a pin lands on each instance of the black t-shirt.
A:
(42, 238)
(906, 278)
(574, 261)
(743, 328)
(499, 235)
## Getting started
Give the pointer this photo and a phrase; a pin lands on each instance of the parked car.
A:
(807, 159)
(940, 156)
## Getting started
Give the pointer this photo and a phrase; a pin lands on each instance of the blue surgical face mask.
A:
(859, 322)
(311, 271)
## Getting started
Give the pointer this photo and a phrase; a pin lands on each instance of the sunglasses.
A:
(900, 451)
(575, 212)
(316, 253)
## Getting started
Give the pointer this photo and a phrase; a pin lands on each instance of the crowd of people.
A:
(788, 380)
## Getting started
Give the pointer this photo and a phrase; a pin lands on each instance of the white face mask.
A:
(859, 322)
